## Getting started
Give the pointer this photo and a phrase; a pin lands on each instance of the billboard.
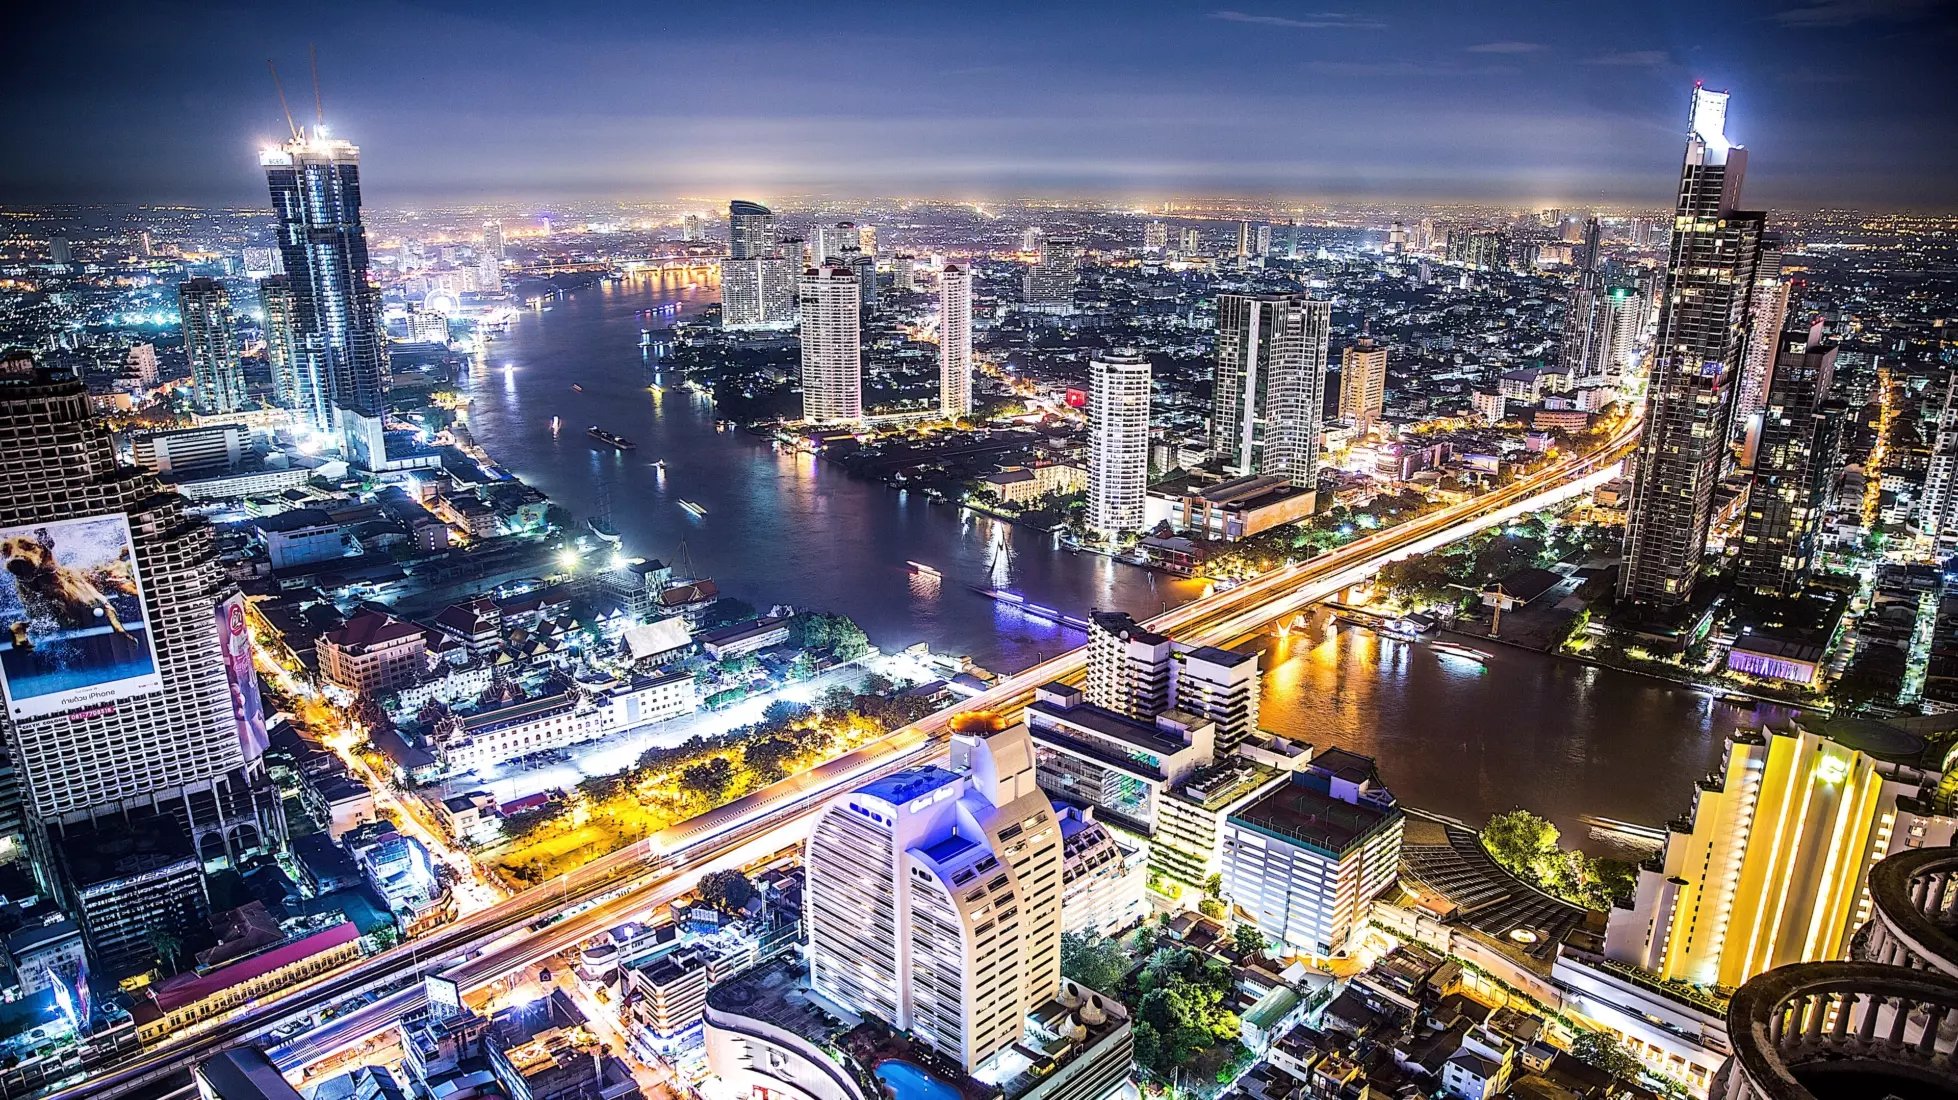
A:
(246, 709)
(73, 630)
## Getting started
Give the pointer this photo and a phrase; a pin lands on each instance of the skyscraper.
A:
(493, 238)
(1362, 383)
(690, 228)
(281, 353)
(1795, 465)
(1938, 512)
(1141, 674)
(1155, 237)
(1587, 320)
(1767, 311)
(954, 341)
(934, 896)
(832, 241)
(1050, 281)
(751, 230)
(211, 345)
(342, 377)
(1243, 243)
(147, 714)
(1191, 242)
(60, 252)
(830, 304)
(1270, 383)
(1689, 404)
(1118, 441)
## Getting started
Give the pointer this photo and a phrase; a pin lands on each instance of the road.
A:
(638, 876)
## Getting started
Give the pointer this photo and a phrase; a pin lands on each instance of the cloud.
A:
(1407, 69)
(1506, 46)
(1310, 21)
(1843, 13)
(1632, 59)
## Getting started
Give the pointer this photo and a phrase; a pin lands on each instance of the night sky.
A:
(1842, 102)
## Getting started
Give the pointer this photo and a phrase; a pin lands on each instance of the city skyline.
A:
(1524, 102)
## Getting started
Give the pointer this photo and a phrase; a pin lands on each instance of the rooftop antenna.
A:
(319, 109)
(283, 106)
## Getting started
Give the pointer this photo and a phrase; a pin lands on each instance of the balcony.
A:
(1819, 1031)
(1914, 912)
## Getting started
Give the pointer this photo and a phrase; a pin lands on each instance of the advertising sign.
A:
(246, 710)
(73, 630)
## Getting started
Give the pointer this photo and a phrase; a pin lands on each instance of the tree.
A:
(167, 946)
(1100, 964)
(728, 891)
(1519, 840)
(1599, 1049)
(1213, 908)
(710, 779)
(1249, 940)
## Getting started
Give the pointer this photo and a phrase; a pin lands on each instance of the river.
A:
(1554, 736)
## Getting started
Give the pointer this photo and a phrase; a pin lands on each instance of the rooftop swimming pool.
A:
(911, 1083)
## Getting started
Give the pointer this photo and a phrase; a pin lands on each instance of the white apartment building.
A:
(1118, 442)
(493, 736)
(934, 896)
(1305, 858)
(1120, 765)
(1141, 674)
(372, 654)
(954, 341)
(1102, 880)
(830, 301)
(758, 293)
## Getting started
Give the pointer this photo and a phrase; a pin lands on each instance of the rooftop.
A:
(1110, 724)
(1301, 813)
(909, 784)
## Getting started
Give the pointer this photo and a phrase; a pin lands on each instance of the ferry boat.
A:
(554, 424)
(603, 436)
(603, 529)
(693, 508)
(659, 464)
(923, 570)
(1466, 653)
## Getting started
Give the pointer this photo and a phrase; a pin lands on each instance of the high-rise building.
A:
(833, 241)
(1141, 674)
(1118, 442)
(1767, 314)
(934, 896)
(751, 231)
(867, 240)
(1795, 464)
(1937, 515)
(758, 293)
(1050, 281)
(1689, 404)
(1363, 383)
(865, 265)
(281, 350)
(1190, 242)
(1482, 249)
(829, 304)
(342, 378)
(1773, 863)
(1396, 238)
(1030, 238)
(1306, 857)
(1243, 243)
(148, 712)
(1624, 309)
(140, 365)
(1292, 238)
(954, 341)
(60, 252)
(1120, 765)
(1155, 237)
(1261, 244)
(1587, 333)
(690, 228)
(493, 238)
(1270, 383)
(211, 345)
(145, 244)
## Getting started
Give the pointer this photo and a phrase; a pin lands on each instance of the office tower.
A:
(1938, 512)
(261, 261)
(1155, 237)
(751, 231)
(690, 228)
(1270, 384)
(1795, 465)
(155, 717)
(1767, 313)
(1291, 238)
(1119, 764)
(1772, 866)
(1587, 332)
(865, 265)
(1030, 238)
(1262, 244)
(1424, 238)
(211, 345)
(1690, 401)
(1482, 249)
(1192, 242)
(489, 273)
(493, 238)
(1129, 669)
(1396, 239)
(315, 185)
(145, 245)
(1305, 858)
(1050, 281)
(829, 303)
(281, 352)
(1118, 441)
(758, 293)
(1243, 242)
(1624, 314)
(1362, 383)
(833, 241)
(867, 240)
(60, 252)
(954, 342)
(934, 896)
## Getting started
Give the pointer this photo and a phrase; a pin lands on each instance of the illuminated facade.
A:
(1771, 868)
(1118, 442)
(954, 341)
(1795, 465)
(342, 376)
(758, 282)
(1689, 404)
(211, 345)
(829, 302)
(281, 348)
(934, 897)
(1270, 384)
(1362, 383)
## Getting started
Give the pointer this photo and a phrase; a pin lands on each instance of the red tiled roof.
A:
(174, 993)
(372, 628)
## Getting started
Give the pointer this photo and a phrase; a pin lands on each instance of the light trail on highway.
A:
(614, 887)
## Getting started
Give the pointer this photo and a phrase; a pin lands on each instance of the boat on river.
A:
(1466, 653)
(610, 438)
